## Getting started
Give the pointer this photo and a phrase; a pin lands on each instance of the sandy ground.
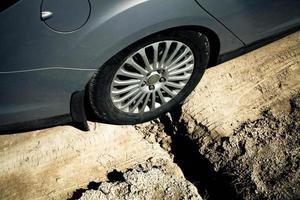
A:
(261, 159)
(236, 137)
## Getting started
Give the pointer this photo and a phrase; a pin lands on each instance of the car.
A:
(121, 62)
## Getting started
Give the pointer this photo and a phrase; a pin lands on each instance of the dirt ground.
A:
(236, 137)
(260, 160)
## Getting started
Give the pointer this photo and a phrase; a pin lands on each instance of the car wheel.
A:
(149, 78)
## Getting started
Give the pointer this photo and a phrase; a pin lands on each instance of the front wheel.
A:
(149, 78)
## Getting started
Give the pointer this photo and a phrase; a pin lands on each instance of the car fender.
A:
(114, 25)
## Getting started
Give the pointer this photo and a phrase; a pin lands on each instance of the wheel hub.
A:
(153, 79)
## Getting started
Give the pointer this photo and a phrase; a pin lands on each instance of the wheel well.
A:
(214, 52)
(212, 37)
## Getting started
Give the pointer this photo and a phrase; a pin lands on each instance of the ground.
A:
(236, 137)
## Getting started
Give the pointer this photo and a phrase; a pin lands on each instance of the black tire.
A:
(99, 86)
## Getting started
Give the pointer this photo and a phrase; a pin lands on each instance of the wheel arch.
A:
(122, 24)
(98, 88)
(213, 38)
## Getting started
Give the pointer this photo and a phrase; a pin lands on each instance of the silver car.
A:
(121, 61)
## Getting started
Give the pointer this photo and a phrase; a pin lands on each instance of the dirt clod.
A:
(154, 133)
(148, 181)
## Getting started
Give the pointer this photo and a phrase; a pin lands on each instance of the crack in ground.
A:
(243, 166)
(196, 168)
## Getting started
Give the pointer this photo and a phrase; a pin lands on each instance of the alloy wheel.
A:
(152, 76)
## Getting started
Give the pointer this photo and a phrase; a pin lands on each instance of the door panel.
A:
(256, 19)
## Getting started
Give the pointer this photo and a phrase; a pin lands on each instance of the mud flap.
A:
(78, 113)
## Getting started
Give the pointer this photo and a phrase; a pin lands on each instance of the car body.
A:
(45, 59)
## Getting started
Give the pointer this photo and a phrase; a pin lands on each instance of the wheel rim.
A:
(152, 76)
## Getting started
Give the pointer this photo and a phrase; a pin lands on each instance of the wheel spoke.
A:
(162, 98)
(132, 63)
(145, 59)
(137, 103)
(127, 96)
(167, 48)
(126, 82)
(180, 78)
(173, 54)
(124, 72)
(185, 69)
(145, 102)
(131, 101)
(182, 55)
(124, 90)
(153, 100)
(155, 56)
(167, 90)
(175, 85)
(182, 63)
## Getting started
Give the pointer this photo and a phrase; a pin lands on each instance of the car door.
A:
(40, 58)
(256, 19)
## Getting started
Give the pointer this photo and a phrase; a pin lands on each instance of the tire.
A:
(104, 90)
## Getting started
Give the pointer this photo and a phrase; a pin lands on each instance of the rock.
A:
(151, 184)
(280, 108)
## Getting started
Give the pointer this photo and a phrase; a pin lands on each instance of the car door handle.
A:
(46, 15)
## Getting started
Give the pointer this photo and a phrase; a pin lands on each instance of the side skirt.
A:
(228, 56)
